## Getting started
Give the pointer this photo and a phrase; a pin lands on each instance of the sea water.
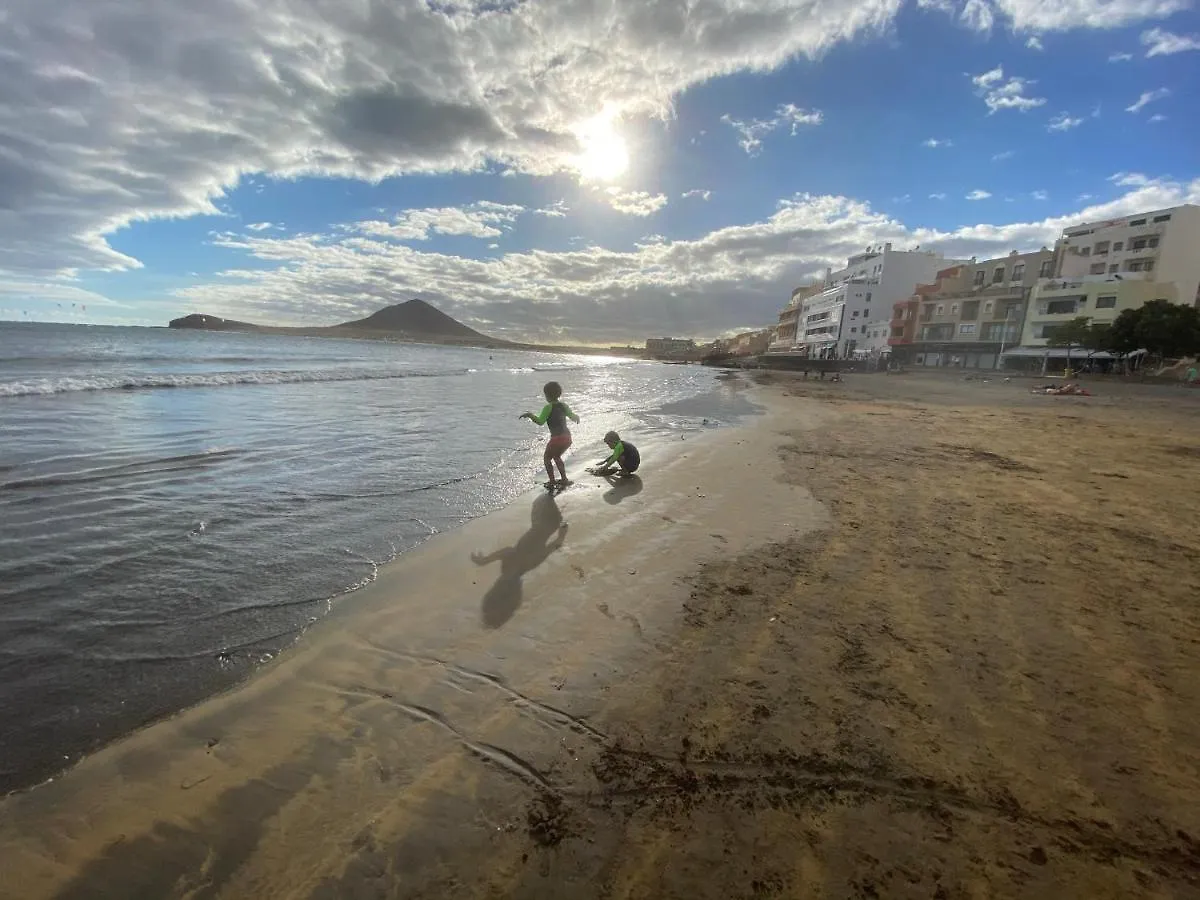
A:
(176, 507)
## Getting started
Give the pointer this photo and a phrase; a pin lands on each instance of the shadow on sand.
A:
(622, 487)
(546, 533)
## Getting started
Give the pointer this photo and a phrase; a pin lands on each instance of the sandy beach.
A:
(896, 637)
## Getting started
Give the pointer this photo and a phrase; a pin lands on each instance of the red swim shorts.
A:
(559, 444)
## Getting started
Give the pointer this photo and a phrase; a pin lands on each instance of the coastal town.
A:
(1038, 312)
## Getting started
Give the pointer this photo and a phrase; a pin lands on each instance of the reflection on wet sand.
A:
(530, 551)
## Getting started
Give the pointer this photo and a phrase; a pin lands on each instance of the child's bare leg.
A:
(562, 469)
(547, 459)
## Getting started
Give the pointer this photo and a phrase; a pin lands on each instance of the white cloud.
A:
(755, 130)
(903, 198)
(1157, 117)
(977, 15)
(1148, 97)
(1129, 179)
(1163, 43)
(134, 111)
(937, 196)
(1064, 122)
(1035, 43)
(635, 203)
(702, 193)
(978, 194)
(1083, 198)
(1003, 155)
(595, 294)
(556, 210)
(1120, 57)
(1039, 195)
(261, 226)
(1039, 16)
(999, 94)
(481, 220)
(935, 143)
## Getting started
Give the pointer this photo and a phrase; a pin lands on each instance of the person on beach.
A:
(555, 414)
(624, 459)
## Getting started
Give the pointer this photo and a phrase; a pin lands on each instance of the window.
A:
(966, 329)
(979, 276)
(1018, 272)
(1133, 223)
(1114, 268)
(998, 275)
(1086, 251)
(1139, 244)
(854, 331)
(1152, 241)
(1100, 248)
(1139, 265)
(1166, 218)
(1046, 269)
(954, 309)
(868, 300)
(1057, 307)
(987, 307)
(970, 310)
(941, 309)
(854, 315)
(1118, 246)
(1097, 268)
(1106, 303)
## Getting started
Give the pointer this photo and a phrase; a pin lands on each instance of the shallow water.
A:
(176, 507)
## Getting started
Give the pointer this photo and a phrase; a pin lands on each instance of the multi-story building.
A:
(1158, 246)
(1098, 298)
(670, 346)
(834, 322)
(789, 316)
(971, 313)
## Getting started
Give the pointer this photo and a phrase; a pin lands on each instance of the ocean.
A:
(177, 507)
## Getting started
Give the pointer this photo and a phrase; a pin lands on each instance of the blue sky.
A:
(574, 170)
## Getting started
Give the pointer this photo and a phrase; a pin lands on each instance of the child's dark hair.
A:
(552, 390)
(612, 436)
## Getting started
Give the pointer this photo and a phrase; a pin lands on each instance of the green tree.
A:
(1075, 333)
(1160, 327)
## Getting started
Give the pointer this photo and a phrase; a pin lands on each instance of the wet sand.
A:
(899, 637)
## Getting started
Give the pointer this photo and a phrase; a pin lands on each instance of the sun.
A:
(604, 156)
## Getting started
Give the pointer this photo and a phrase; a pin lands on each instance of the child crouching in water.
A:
(555, 414)
(624, 459)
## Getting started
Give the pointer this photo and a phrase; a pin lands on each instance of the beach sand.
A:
(898, 637)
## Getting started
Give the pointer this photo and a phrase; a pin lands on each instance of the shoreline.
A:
(880, 641)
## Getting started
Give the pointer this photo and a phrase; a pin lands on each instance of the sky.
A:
(589, 171)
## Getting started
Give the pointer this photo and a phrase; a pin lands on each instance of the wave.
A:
(124, 470)
(66, 385)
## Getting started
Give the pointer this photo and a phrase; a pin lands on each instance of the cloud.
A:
(934, 143)
(702, 193)
(556, 210)
(261, 226)
(937, 196)
(1163, 43)
(1129, 179)
(978, 194)
(1064, 122)
(977, 15)
(1148, 97)
(635, 203)
(136, 111)
(1039, 195)
(1035, 43)
(755, 130)
(1003, 155)
(999, 94)
(480, 220)
(595, 294)
(903, 198)
(1038, 16)
(1157, 117)
(1083, 198)
(1120, 57)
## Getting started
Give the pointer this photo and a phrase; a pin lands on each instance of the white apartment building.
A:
(1099, 298)
(1160, 246)
(834, 323)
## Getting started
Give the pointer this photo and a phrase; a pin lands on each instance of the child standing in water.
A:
(555, 414)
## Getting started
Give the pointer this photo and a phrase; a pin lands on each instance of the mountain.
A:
(413, 320)
(415, 317)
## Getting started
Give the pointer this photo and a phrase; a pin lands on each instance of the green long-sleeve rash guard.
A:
(616, 454)
(558, 424)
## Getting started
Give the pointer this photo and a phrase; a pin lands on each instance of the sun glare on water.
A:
(604, 155)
